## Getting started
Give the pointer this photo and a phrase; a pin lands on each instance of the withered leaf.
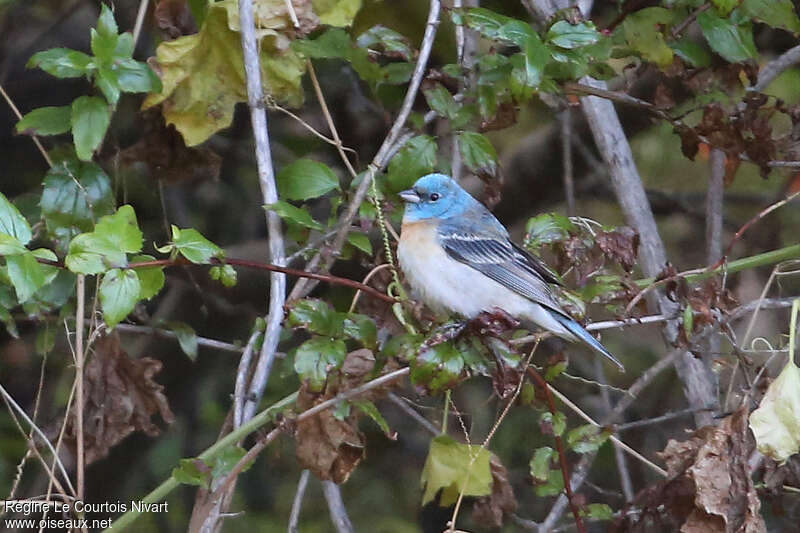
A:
(709, 488)
(620, 245)
(120, 397)
(490, 510)
(174, 18)
(329, 447)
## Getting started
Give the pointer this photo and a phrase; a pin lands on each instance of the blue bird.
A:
(458, 258)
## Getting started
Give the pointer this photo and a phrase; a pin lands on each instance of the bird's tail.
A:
(577, 330)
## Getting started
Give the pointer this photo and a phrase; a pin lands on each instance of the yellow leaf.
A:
(776, 422)
(203, 76)
(337, 12)
(455, 467)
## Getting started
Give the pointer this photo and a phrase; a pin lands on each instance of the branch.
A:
(775, 68)
(302, 288)
(294, 517)
(261, 419)
(562, 453)
(333, 495)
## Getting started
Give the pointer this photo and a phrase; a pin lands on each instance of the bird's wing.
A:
(498, 258)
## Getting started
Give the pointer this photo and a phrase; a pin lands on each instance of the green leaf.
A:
(90, 119)
(478, 153)
(725, 6)
(75, 195)
(12, 222)
(119, 292)
(46, 121)
(688, 321)
(440, 100)
(106, 25)
(125, 46)
(108, 83)
(455, 468)
(336, 12)
(775, 13)
(333, 44)
(10, 245)
(62, 62)
(361, 328)
(566, 35)
(136, 77)
(186, 336)
(225, 274)
(536, 57)
(225, 461)
(317, 317)
(776, 422)
(191, 244)
(360, 241)
(414, 160)
(26, 274)
(304, 179)
(83, 257)
(486, 22)
(391, 42)
(586, 439)
(119, 232)
(553, 486)
(151, 279)
(316, 357)
(192, 472)
(547, 228)
(369, 409)
(693, 53)
(734, 43)
(203, 74)
(540, 463)
(642, 32)
(437, 367)
(553, 425)
(297, 215)
(598, 511)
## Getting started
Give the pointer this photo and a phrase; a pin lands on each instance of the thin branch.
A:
(302, 288)
(140, 14)
(566, 159)
(35, 139)
(775, 68)
(619, 457)
(656, 419)
(714, 206)
(562, 453)
(333, 495)
(412, 413)
(242, 374)
(202, 341)
(79, 399)
(297, 504)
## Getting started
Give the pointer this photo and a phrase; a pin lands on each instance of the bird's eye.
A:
(434, 196)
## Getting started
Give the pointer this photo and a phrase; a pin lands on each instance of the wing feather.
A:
(498, 258)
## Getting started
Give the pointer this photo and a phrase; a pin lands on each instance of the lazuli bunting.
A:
(458, 258)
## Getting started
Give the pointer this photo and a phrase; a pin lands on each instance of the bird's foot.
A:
(494, 322)
(446, 333)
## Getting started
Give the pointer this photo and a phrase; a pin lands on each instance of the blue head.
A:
(436, 196)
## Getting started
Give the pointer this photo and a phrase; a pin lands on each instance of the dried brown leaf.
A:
(329, 447)
(489, 511)
(620, 245)
(120, 397)
(174, 18)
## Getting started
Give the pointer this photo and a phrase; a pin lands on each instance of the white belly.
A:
(445, 284)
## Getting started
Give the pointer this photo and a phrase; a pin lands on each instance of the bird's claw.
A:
(494, 322)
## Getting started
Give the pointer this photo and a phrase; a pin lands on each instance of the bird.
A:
(458, 258)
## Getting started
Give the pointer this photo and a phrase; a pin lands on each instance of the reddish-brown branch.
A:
(334, 280)
(562, 453)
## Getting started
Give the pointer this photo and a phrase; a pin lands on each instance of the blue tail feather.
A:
(578, 331)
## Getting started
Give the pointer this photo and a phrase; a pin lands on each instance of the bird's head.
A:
(435, 196)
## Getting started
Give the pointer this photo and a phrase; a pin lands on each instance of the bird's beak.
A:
(410, 196)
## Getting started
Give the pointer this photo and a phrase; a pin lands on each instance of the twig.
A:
(774, 68)
(137, 27)
(619, 457)
(301, 288)
(566, 159)
(333, 495)
(680, 28)
(297, 504)
(202, 341)
(604, 324)
(562, 453)
(79, 359)
(421, 420)
(242, 373)
(36, 140)
(336, 280)
(714, 205)
(656, 419)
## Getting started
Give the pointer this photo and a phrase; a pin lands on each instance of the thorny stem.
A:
(562, 453)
